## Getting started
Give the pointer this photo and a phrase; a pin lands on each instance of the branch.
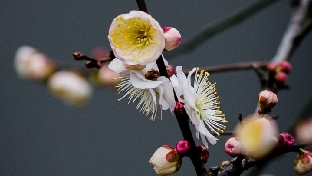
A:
(295, 32)
(232, 67)
(219, 26)
(240, 163)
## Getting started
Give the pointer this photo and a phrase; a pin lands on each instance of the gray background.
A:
(39, 135)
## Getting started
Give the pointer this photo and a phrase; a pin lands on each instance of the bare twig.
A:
(231, 67)
(219, 26)
(294, 34)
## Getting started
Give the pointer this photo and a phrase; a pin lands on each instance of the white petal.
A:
(116, 65)
(167, 94)
(138, 80)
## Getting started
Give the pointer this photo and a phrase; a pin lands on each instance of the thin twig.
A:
(219, 26)
(231, 67)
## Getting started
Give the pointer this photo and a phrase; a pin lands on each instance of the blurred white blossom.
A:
(70, 87)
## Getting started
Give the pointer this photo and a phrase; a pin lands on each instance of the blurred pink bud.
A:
(304, 131)
(303, 162)
(233, 147)
(40, 67)
(166, 160)
(284, 66)
(107, 77)
(203, 153)
(266, 101)
(172, 38)
(271, 66)
(280, 76)
(182, 147)
(99, 53)
(285, 140)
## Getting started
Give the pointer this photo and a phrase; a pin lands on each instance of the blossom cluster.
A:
(138, 42)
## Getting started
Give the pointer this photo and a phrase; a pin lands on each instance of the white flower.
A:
(257, 135)
(30, 63)
(136, 38)
(70, 87)
(201, 104)
(22, 57)
(150, 93)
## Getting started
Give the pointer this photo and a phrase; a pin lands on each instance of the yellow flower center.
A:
(133, 36)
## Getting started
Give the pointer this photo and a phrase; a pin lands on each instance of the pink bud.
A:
(170, 70)
(172, 38)
(233, 147)
(281, 76)
(183, 146)
(284, 66)
(285, 140)
(179, 108)
(303, 162)
(271, 66)
(266, 100)
(203, 153)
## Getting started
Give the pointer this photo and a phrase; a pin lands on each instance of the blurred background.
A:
(40, 135)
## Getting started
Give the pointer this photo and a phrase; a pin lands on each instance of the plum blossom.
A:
(201, 104)
(136, 38)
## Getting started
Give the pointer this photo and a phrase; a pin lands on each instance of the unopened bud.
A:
(303, 162)
(166, 160)
(281, 76)
(203, 153)
(271, 66)
(233, 147)
(170, 70)
(285, 141)
(70, 87)
(183, 146)
(284, 66)
(266, 101)
(172, 38)
(179, 108)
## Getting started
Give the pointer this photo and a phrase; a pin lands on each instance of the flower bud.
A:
(284, 66)
(179, 108)
(285, 141)
(203, 153)
(172, 38)
(233, 147)
(280, 76)
(70, 87)
(304, 132)
(166, 160)
(257, 136)
(170, 70)
(303, 162)
(40, 67)
(266, 101)
(271, 66)
(183, 146)
(30, 63)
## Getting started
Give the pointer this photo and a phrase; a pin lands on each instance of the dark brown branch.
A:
(232, 67)
(142, 6)
(240, 163)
